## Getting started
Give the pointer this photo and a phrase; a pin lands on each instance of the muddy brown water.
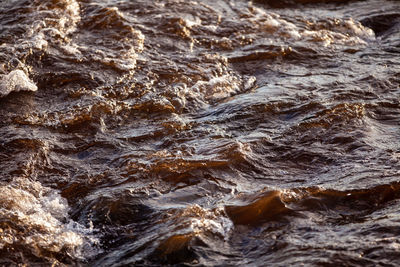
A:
(199, 133)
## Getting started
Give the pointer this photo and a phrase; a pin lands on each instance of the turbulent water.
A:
(199, 133)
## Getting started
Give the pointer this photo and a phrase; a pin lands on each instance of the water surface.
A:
(202, 133)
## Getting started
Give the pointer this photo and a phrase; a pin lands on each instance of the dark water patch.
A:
(381, 24)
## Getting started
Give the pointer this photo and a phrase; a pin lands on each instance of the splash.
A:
(36, 218)
(16, 81)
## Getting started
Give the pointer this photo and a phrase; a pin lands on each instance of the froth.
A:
(16, 81)
(38, 221)
(329, 31)
(203, 220)
(53, 22)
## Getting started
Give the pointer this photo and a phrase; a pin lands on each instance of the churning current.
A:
(199, 133)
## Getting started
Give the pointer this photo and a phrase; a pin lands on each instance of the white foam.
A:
(345, 32)
(271, 22)
(42, 214)
(16, 81)
(357, 29)
(204, 220)
(51, 23)
(63, 19)
(337, 31)
(218, 87)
